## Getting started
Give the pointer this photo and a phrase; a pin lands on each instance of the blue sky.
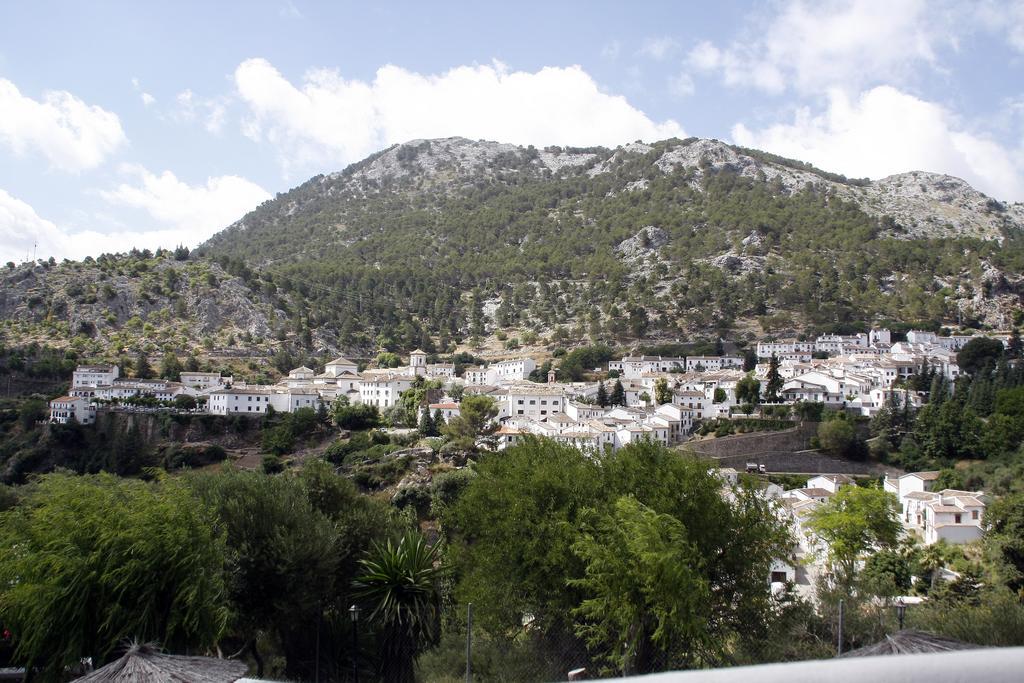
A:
(142, 124)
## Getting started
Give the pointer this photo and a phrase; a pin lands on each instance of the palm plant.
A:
(399, 584)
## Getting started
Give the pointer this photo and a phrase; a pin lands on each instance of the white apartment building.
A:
(709, 363)
(514, 370)
(239, 400)
(948, 515)
(94, 376)
(535, 401)
(204, 381)
(383, 389)
(476, 374)
(67, 408)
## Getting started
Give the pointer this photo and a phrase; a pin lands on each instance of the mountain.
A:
(436, 242)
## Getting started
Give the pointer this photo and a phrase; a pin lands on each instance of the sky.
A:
(138, 124)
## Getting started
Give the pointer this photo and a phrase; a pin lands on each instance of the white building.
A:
(94, 376)
(505, 371)
(948, 515)
(476, 374)
(526, 399)
(67, 408)
(383, 389)
(707, 363)
(449, 409)
(340, 366)
(204, 381)
(239, 400)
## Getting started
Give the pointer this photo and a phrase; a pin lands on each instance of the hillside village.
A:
(656, 398)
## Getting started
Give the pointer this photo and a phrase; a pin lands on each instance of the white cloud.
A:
(24, 233)
(886, 131)
(811, 46)
(611, 50)
(70, 134)
(328, 119)
(211, 111)
(192, 212)
(183, 214)
(147, 99)
(682, 85)
(658, 48)
(1003, 16)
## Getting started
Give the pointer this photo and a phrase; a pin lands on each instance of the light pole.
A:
(901, 611)
(353, 612)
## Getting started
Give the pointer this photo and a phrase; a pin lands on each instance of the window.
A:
(974, 514)
(533, 403)
(519, 412)
(520, 401)
(543, 403)
(956, 518)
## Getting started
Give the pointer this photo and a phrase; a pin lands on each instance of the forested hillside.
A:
(438, 242)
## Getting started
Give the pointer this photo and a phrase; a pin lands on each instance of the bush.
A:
(272, 464)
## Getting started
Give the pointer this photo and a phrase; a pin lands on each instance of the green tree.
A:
(836, 436)
(646, 592)
(1004, 540)
(86, 562)
(355, 417)
(662, 394)
(618, 397)
(170, 367)
(143, 370)
(748, 390)
(387, 359)
(294, 541)
(399, 581)
(602, 395)
(475, 419)
(31, 411)
(773, 386)
(851, 522)
(427, 426)
(980, 353)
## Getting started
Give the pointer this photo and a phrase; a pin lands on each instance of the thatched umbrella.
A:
(910, 642)
(146, 664)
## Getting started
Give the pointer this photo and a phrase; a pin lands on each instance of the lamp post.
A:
(901, 611)
(353, 612)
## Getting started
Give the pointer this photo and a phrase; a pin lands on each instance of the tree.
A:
(355, 417)
(546, 529)
(662, 394)
(399, 582)
(602, 395)
(748, 390)
(980, 353)
(128, 559)
(646, 593)
(143, 370)
(836, 436)
(645, 397)
(475, 419)
(852, 521)
(387, 359)
(426, 424)
(773, 387)
(184, 402)
(170, 367)
(30, 412)
(1004, 539)
(618, 397)
(293, 544)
